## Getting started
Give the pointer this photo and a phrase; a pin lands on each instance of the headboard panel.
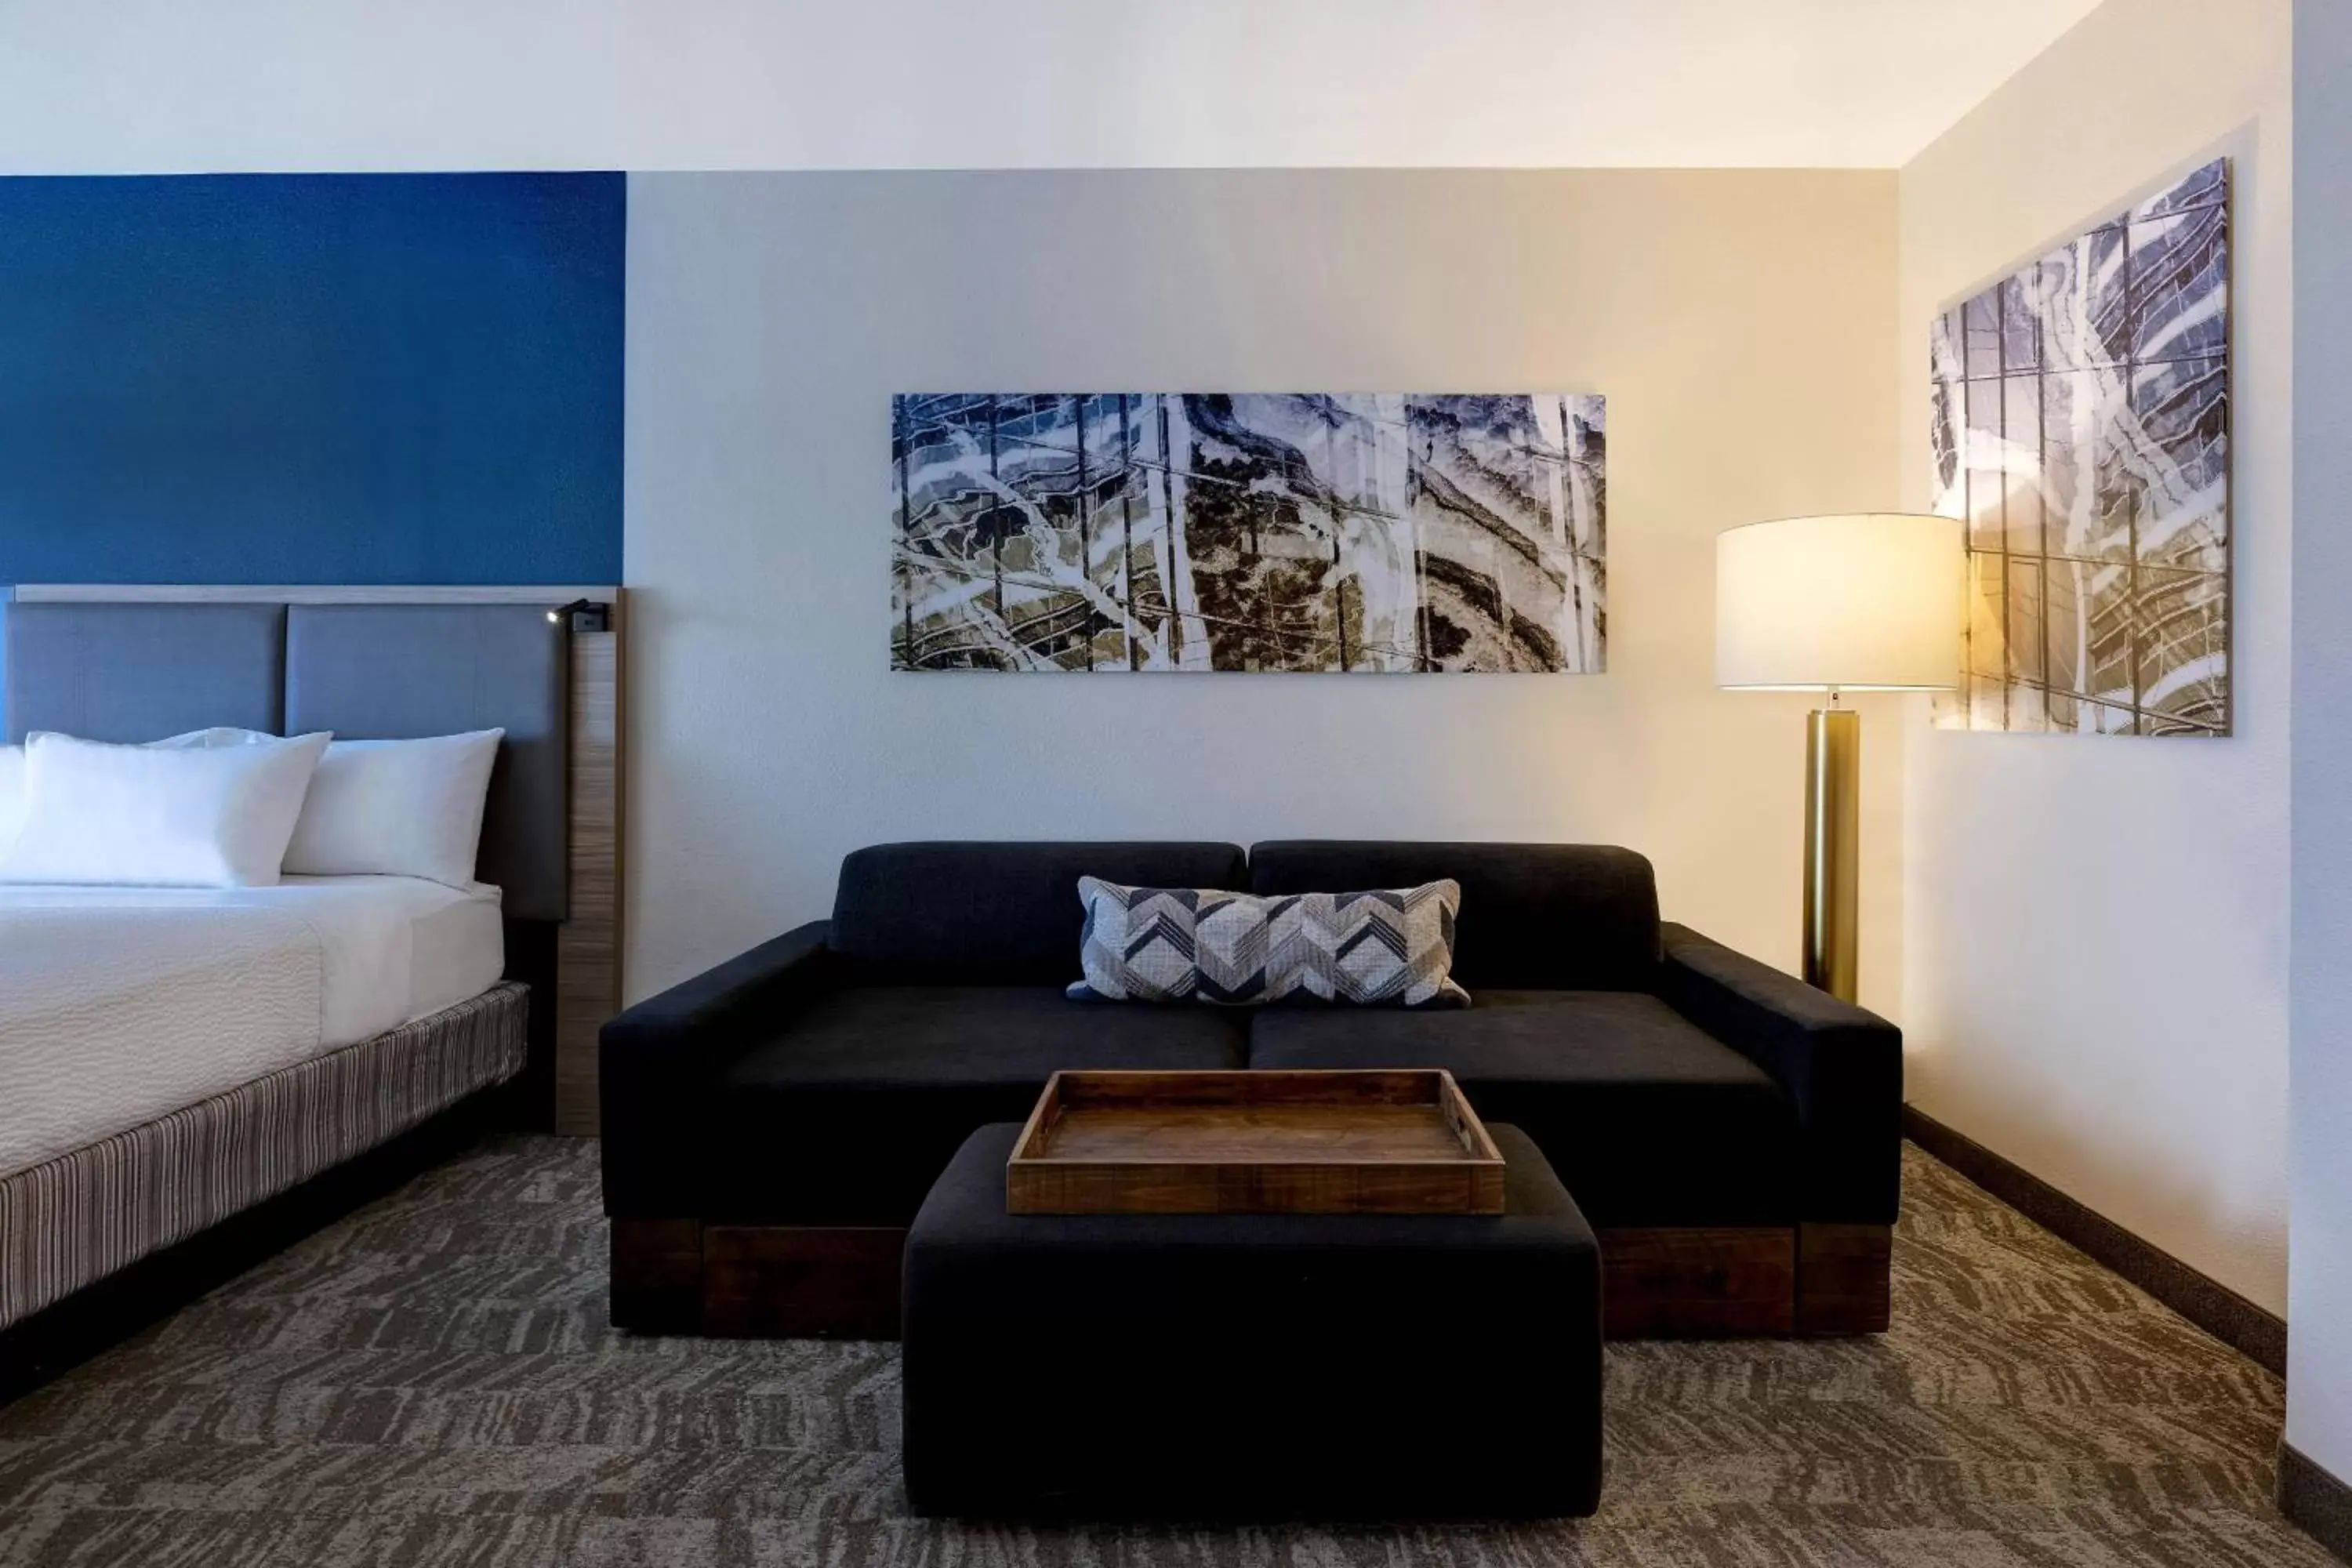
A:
(140, 671)
(393, 672)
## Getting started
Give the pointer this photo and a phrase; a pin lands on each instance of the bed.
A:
(171, 1057)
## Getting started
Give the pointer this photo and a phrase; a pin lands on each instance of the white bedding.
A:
(120, 1005)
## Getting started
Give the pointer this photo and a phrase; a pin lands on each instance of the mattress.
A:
(122, 1004)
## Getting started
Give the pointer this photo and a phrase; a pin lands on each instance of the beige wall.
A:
(1739, 323)
(2095, 974)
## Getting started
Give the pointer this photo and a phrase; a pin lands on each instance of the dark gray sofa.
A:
(772, 1127)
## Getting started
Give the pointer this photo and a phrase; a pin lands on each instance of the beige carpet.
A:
(432, 1381)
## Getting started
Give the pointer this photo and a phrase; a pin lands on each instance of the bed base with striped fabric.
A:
(73, 1220)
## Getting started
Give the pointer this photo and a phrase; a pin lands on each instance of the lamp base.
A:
(1833, 837)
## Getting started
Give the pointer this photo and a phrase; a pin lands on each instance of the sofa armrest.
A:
(1841, 1064)
(656, 1061)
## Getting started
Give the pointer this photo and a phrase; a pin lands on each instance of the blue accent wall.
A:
(312, 378)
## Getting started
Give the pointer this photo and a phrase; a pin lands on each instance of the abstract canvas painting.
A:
(1327, 532)
(2082, 428)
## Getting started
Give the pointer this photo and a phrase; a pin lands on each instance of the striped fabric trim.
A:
(81, 1217)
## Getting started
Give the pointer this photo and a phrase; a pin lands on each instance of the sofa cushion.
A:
(980, 913)
(1574, 916)
(847, 1114)
(1648, 1119)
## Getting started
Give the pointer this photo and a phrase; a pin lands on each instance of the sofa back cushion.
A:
(974, 912)
(1579, 917)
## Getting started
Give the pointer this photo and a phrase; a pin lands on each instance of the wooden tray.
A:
(1400, 1140)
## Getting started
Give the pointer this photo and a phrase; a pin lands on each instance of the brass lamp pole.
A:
(1859, 602)
(1832, 846)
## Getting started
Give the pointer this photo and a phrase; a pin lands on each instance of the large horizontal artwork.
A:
(1343, 533)
(2082, 428)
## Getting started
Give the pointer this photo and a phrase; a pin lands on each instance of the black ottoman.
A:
(1251, 1366)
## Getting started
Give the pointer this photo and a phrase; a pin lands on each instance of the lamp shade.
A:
(1867, 601)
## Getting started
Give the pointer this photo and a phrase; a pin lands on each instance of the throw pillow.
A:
(1387, 948)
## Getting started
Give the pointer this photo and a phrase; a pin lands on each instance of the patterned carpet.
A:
(431, 1382)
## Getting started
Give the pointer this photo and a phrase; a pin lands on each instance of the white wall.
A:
(2319, 1320)
(1739, 324)
(2096, 952)
(165, 86)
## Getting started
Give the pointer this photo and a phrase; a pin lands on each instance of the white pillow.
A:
(219, 736)
(215, 816)
(12, 770)
(397, 808)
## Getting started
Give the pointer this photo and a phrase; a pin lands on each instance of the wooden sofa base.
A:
(1844, 1279)
(757, 1281)
(684, 1277)
(1704, 1282)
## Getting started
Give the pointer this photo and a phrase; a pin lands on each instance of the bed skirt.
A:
(77, 1218)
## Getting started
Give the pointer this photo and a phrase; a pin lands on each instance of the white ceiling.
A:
(166, 85)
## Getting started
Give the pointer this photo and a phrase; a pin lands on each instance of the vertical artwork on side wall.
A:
(1262, 532)
(2082, 428)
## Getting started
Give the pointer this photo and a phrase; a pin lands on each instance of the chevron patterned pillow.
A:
(1390, 948)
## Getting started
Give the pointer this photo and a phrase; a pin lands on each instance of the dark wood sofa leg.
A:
(657, 1278)
(1844, 1279)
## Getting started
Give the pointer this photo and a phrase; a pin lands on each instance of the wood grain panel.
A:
(1844, 1279)
(1697, 1282)
(657, 1275)
(802, 1281)
(588, 945)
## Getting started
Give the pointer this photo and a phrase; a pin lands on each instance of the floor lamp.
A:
(1864, 602)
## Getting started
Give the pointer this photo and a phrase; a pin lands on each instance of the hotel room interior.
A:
(1190, 781)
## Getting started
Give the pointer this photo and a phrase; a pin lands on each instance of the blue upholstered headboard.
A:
(137, 670)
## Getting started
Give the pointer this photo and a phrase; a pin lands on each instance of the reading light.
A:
(585, 616)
